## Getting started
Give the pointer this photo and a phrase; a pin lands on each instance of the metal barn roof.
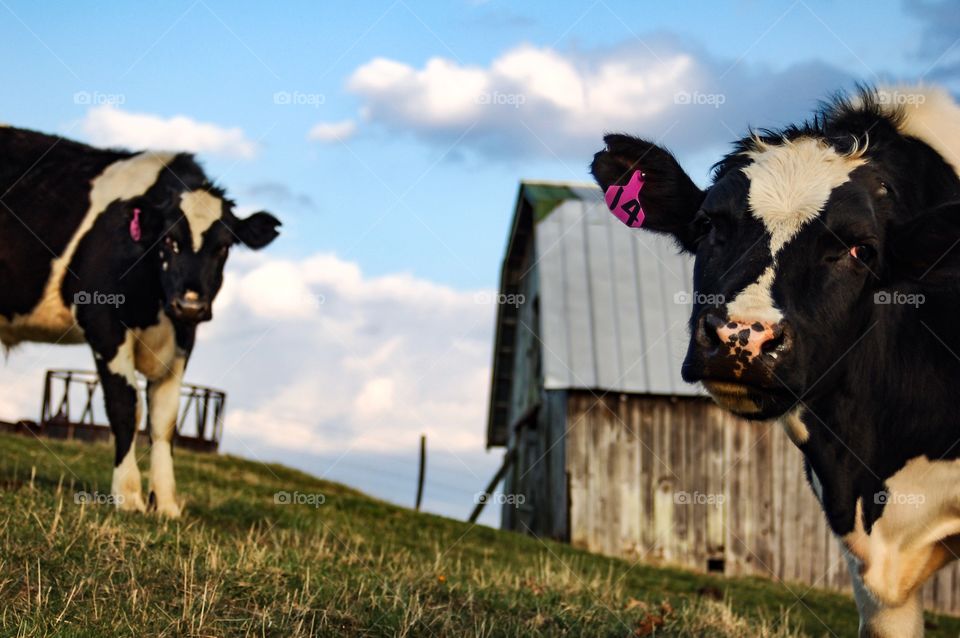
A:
(613, 302)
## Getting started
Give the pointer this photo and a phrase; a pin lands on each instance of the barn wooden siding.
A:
(630, 458)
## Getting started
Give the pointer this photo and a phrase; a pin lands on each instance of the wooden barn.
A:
(606, 447)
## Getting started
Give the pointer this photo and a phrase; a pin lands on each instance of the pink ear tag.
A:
(135, 225)
(624, 200)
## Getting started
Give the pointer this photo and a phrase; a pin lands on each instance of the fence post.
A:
(423, 467)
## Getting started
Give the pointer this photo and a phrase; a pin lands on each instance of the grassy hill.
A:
(239, 563)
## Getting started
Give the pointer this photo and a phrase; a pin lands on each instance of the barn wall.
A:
(538, 474)
(669, 480)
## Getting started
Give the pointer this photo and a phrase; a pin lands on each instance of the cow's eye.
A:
(702, 226)
(222, 252)
(862, 252)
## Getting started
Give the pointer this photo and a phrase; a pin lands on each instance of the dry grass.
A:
(239, 564)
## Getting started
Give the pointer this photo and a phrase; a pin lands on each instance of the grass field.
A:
(337, 563)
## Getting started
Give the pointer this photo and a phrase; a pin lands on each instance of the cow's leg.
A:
(880, 621)
(163, 401)
(123, 409)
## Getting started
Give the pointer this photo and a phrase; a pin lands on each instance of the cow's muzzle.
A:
(738, 363)
(190, 307)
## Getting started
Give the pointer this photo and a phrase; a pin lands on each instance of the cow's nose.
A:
(191, 308)
(752, 338)
(755, 338)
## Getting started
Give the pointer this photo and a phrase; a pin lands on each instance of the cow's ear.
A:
(257, 230)
(669, 198)
(926, 249)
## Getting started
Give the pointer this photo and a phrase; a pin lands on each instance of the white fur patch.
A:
(122, 364)
(789, 185)
(51, 320)
(164, 402)
(201, 210)
(930, 115)
(156, 348)
(794, 427)
(125, 486)
(903, 547)
(876, 619)
(755, 303)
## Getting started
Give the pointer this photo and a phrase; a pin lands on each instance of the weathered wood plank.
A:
(627, 458)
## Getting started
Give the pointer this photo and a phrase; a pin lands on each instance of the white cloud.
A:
(537, 100)
(107, 125)
(332, 131)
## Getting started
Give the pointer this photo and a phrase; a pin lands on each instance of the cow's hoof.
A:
(166, 508)
(132, 502)
(171, 510)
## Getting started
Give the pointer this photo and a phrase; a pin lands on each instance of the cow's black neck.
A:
(872, 416)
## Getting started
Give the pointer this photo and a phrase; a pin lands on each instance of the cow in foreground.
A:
(123, 251)
(834, 249)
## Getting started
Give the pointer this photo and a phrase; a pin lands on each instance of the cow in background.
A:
(125, 252)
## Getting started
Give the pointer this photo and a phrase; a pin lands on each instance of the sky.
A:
(390, 138)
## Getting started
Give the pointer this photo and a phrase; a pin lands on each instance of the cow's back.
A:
(44, 197)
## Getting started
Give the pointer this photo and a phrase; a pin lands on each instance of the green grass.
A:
(237, 563)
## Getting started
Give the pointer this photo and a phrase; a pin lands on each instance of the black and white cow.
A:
(123, 251)
(834, 248)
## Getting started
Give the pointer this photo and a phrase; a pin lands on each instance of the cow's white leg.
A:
(122, 400)
(879, 621)
(163, 400)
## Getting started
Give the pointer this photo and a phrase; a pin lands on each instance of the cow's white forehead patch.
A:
(791, 182)
(789, 185)
(201, 209)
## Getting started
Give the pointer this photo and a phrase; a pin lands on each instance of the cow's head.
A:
(189, 234)
(791, 248)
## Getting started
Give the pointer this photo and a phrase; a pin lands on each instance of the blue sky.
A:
(410, 178)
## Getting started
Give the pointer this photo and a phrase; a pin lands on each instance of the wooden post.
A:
(45, 408)
(507, 460)
(423, 467)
